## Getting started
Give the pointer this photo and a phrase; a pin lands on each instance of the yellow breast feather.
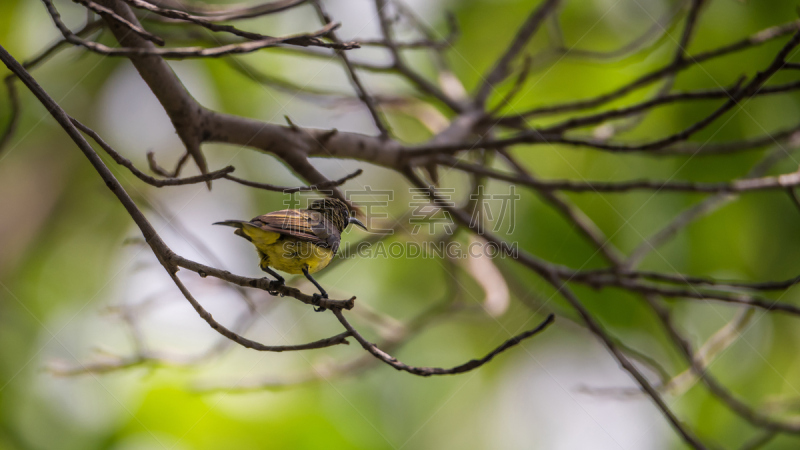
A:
(291, 255)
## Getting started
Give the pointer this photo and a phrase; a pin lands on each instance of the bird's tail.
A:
(232, 223)
(238, 224)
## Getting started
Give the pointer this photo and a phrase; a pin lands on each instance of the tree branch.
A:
(501, 68)
(428, 371)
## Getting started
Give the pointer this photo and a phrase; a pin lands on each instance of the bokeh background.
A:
(71, 263)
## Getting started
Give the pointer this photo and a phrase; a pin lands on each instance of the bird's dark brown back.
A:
(322, 225)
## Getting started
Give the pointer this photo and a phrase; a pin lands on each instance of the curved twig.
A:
(291, 190)
(304, 39)
(428, 371)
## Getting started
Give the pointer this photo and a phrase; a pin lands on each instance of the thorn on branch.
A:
(325, 137)
(292, 125)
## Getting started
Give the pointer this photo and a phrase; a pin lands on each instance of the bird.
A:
(298, 240)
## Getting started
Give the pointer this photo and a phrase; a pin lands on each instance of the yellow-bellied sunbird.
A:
(297, 240)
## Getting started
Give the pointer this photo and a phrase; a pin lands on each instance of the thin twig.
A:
(105, 12)
(734, 404)
(183, 16)
(585, 225)
(304, 39)
(340, 338)
(501, 68)
(291, 190)
(121, 160)
(361, 91)
(428, 371)
(698, 210)
(231, 13)
(13, 96)
(399, 64)
(728, 187)
(756, 39)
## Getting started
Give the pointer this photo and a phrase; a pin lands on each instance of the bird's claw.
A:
(315, 298)
(273, 285)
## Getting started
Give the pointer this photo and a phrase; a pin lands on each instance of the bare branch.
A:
(183, 16)
(428, 371)
(654, 34)
(518, 83)
(361, 91)
(593, 276)
(466, 143)
(166, 257)
(340, 338)
(399, 64)
(501, 68)
(231, 13)
(744, 185)
(691, 293)
(304, 39)
(604, 337)
(151, 161)
(291, 190)
(550, 274)
(584, 224)
(400, 335)
(756, 39)
(121, 160)
(13, 97)
(698, 210)
(105, 12)
(734, 404)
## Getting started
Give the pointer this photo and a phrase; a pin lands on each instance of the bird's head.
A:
(336, 211)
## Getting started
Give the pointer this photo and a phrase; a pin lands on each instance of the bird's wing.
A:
(299, 223)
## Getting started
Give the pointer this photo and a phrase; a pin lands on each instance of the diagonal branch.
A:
(608, 342)
(227, 14)
(168, 259)
(399, 64)
(183, 16)
(292, 190)
(756, 39)
(428, 371)
(303, 39)
(340, 338)
(551, 275)
(501, 68)
(107, 13)
(584, 224)
(14, 103)
(365, 97)
(125, 162)
(736, 405)
(703, 208)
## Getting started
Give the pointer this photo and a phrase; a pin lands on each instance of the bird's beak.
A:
(357, 222)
